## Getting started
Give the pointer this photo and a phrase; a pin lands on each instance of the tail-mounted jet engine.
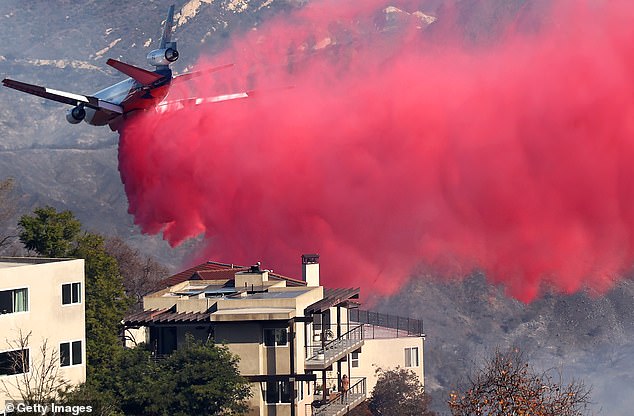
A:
(76, 114)
(166, 56)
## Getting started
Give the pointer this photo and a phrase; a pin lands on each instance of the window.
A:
(278, 392)
(70, 353)
(15, 300)
(411, 357)
(275, 337)
(71, 293)
(354, 361)
(14, 362)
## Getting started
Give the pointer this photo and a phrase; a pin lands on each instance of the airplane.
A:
(142, 91)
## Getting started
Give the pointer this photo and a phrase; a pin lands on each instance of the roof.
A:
(165, 316)
(212, 270)
(208, 270)
(6, 262)
(333, 297)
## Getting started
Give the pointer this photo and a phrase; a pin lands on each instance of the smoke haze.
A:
(393, 149)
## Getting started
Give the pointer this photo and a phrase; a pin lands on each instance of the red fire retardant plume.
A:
(393, 149)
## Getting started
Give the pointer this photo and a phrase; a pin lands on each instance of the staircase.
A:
(324, 355)
(335, 407)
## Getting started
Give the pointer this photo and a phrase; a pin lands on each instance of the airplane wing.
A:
(62, 96)
(175, 105)
(143, 76)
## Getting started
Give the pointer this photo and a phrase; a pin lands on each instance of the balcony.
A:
(337, 405)
(381, 325)
(326, 352)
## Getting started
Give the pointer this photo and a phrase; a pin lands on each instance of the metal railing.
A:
(403, 326)
(329, 347)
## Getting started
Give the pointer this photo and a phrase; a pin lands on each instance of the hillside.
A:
(584, 336)
(76, 168)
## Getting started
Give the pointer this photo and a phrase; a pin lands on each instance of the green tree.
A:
(506, 385)
(58, 234)
(203, 379)
(198, 379)
(106, 305)
(48, 232)
(399, 392)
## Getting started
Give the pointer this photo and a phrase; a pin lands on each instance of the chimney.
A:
(310, 269)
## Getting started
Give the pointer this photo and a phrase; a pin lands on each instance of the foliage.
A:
(198, 379)
(57, 234)
(140, 274)
(106, 304)
(203, 378)
(399, 392)
(508, 386)
(48, 232)
(8, 207)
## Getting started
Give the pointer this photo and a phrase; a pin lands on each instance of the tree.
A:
(203, 379)
(106, 305)
(506, 385)
(399, 392)
(8, 208)
(58, 234)
(200, 378)
(48, 232)
(140, 274)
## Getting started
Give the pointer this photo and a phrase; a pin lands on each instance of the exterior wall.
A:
(386, 353)
(47, 320)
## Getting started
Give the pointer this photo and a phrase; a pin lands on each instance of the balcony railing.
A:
(336, 403)
(323, 353)
(401, 326)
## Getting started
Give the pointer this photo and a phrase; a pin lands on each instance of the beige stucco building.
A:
(42, 302)
(295, 338)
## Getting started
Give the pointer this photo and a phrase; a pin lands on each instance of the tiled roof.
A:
(212, 270)
(206, 271)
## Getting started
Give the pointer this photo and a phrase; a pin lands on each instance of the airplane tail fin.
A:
(142, 76)
(166, 37)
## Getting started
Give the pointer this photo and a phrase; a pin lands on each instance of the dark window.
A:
(15, 300)
(278, 392)
(66, 294)
(76, 292)
(76, 352)
(286, 391)
(71, 293)
(275, 337)
(14, 362)
(272, 391)
(64, 354)
(70, 353)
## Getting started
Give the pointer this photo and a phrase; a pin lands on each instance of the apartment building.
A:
(295, 338)
(41, 309)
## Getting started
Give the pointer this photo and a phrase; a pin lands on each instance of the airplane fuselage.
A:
(131, 96)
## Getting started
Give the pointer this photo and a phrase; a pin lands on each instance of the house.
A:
(41, 310)
(295, 338)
